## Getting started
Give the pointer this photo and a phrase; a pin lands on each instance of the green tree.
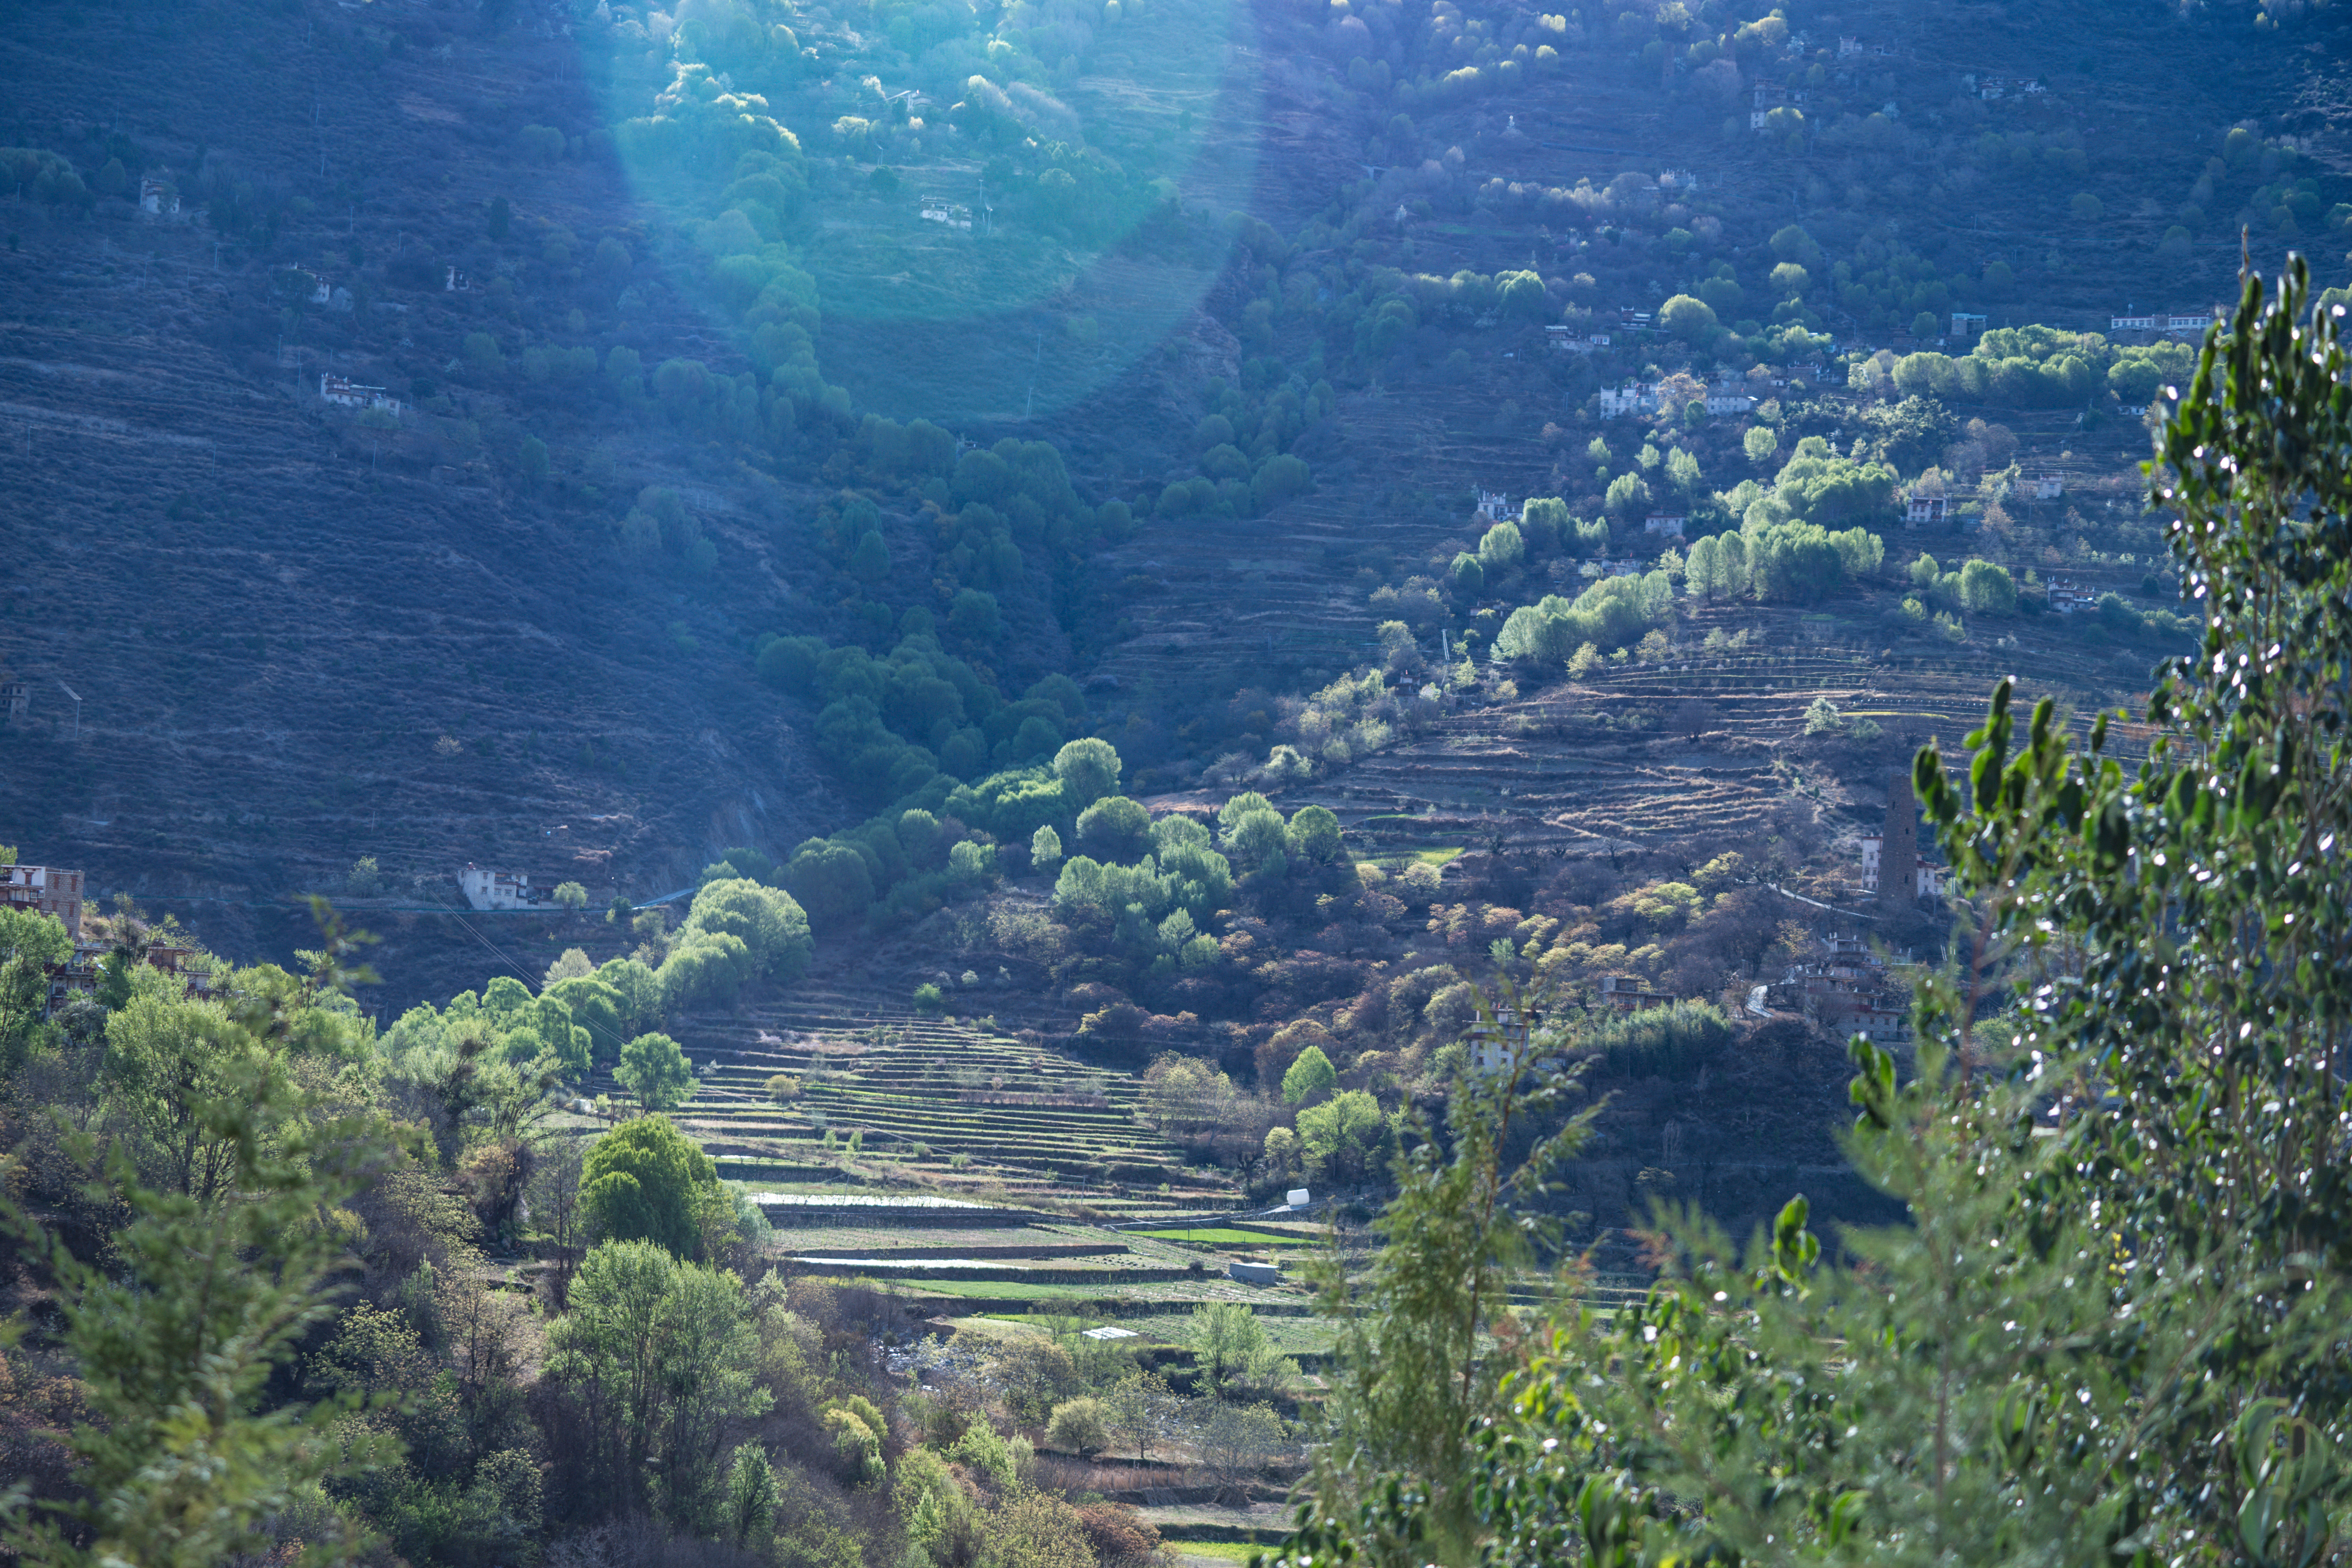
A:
(198, 1302)
(1341, 1135)
(1986, 589)
(1115, 829)
(1230, 1343)
(1035, 1529)
(1138, 1407)
(1236, 1441)
(1253, 832)
(829, 880)
(768, 921)
(870, 561)
(570, 897)
(1688, 318)
(753, 1497)
(1277, 479)
(1467, 576)
(1410, 1378)
(1500, 548)
(1628, 494)
(646, 1181)
(655, 1072)
(1314, 834)
(1309, 1077)
(1079, 1426)
(1044, 847)
(1682, 471)
(1089, 770)
(29, 945)
(659, 1356)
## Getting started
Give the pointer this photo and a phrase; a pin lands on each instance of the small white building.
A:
(158, 199)
(2069, 598)
(1919, 508)
(1631, 398)
(2134, 323)
(2048, 487)
(1497, 508)
(1505, 1042)
(1848, 47)
(1967, 325)
(948, 213)
(456, 282)
(347, 394)
(1723, 400)
(1667, 525)
(497, 890)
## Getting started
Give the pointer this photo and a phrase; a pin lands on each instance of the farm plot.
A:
(896, 1098)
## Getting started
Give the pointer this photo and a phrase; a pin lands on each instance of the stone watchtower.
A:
(1898, 854)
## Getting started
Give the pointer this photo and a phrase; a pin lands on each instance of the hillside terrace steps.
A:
(953, 1088)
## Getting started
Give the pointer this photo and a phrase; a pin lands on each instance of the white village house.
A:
(347, 394)
(1631, 398)
(499, 890)
(1494, 506)
(1919, 508)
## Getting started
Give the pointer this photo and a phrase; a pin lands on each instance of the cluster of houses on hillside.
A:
(1502, 1042)
(1845, 988)
(1730, 396)
(2185, 325)
(56, 891)
(1923, 505)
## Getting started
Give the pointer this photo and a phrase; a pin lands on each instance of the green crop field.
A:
(1223, 1236)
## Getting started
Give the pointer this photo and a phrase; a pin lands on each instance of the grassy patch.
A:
(1217, 1552)
(1222, 1236)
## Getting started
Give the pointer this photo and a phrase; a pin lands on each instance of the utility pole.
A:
(76, 696)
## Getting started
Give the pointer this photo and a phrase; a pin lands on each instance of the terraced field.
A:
(951, 1105)
(1694, 748)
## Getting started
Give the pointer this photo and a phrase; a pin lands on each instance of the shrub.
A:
(1079, 1426)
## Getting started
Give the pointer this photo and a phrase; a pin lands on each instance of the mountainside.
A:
(513, 621)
